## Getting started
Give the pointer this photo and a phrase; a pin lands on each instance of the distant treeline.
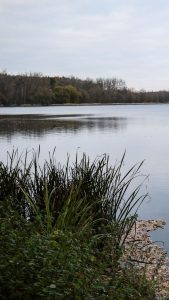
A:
(34, 88)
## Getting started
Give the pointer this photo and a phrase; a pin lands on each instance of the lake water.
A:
(141, 130)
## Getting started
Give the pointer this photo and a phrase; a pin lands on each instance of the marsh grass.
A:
(75, 196)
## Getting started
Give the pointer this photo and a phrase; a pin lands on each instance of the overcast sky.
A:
(128, 39)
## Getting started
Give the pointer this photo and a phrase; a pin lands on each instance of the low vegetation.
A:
(63, 229)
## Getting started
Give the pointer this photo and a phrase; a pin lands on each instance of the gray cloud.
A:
(124, 38)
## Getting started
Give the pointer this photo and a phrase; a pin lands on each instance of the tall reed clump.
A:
(63, 228)
(72, 197)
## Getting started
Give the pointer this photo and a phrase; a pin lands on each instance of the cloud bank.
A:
(123, 38)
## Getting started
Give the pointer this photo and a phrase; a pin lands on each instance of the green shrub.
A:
(60, 266)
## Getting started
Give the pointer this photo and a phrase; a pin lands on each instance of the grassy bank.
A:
(63, 229)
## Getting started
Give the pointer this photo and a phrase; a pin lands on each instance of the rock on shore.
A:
(146, 256)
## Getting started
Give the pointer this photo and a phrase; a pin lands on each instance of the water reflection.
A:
(40, 125)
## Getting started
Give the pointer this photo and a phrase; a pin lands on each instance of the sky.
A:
(127, 39)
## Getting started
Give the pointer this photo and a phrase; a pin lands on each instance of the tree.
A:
(67, 94)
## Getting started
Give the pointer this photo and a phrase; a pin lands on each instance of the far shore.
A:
(87, 104)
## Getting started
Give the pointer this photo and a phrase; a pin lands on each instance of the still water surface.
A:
(141, 130)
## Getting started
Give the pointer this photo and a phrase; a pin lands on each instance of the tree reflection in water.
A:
(39, 125)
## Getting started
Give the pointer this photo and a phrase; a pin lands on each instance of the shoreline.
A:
(146, 256)
(88, 104)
